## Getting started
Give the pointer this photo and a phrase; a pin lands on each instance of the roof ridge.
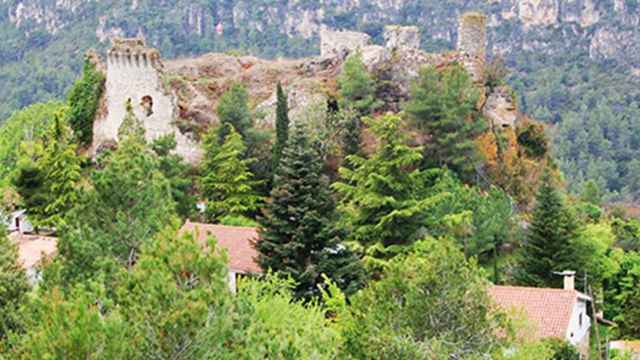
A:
(188, 222)
(533, 288)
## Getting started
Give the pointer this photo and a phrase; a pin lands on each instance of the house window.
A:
(580, 320)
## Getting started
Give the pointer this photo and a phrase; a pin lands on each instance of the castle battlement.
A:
(132, 52)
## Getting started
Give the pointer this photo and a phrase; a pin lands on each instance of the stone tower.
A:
(134, 73)
(472, 43)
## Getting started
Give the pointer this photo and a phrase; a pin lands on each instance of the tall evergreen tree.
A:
(83, 102)
(384, 198)
(13, 287)
(233, 109)
(297, 236)
(443, 105)
(550, 236)
(226, 182)
(282, 125)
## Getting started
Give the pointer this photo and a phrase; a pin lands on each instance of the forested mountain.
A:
(574, 63)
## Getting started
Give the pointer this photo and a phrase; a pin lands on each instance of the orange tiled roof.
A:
(548, 310)
(33, 248)
(235, 239)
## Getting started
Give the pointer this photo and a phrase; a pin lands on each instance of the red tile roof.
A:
(235, 239)
(548, 310)
(33, 248)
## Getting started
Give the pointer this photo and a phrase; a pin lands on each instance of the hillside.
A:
(572, 62)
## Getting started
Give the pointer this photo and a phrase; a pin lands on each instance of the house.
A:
(630, 347)
(553, 313)
(17, 221)
(32, 250)
(236, 240)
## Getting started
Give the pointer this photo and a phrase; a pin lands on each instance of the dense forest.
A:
(372, 245)
(572, 62)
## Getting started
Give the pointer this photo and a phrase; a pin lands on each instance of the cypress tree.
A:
(549, 237)
(282, 125)
(227, 183)
(297, 236)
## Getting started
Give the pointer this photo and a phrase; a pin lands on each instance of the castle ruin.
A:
(133, 72)
(136, 72)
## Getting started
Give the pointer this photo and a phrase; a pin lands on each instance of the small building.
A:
(553, 313)
(236, 240)
(17, 222)
(626, 347)
(33, 250)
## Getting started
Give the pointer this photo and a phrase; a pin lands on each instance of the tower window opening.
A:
(147, 105)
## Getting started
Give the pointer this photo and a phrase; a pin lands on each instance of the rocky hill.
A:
(567, 57)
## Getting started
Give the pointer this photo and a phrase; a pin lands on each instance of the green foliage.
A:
(179, 173)
(297, 236)
(384, 198)
(282, 125)
(429, 303)
(128, 203)
(532, 139)
(48, 174)
(131, 126)
(548, 246)
(622, 292)
(84, 98)
(226, 181)
(562, 350)
(233, 109)
(356, 86)
(592, 254)
(13, 288)
(443, 106)
(490, 213)
(28, 124)
(627, 233)
(175, 304)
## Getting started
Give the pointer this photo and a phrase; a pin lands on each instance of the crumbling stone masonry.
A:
(472, 43)
(134, 72)
(340, 43)
(397, 37)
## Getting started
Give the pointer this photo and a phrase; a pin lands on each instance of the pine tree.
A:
(13, 287)
(84, 98)
(226, 182)
(282, 125)
(384, 197)
(297, 236)
(549, 238)
(443, 105)
(233, 109)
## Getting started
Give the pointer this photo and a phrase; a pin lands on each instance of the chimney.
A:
(569, 279)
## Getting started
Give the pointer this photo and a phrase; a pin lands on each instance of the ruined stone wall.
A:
(340, 43)
(396, 37)
(472, 43)
(134, 72)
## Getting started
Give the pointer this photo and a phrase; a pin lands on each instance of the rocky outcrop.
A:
(500, 108)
